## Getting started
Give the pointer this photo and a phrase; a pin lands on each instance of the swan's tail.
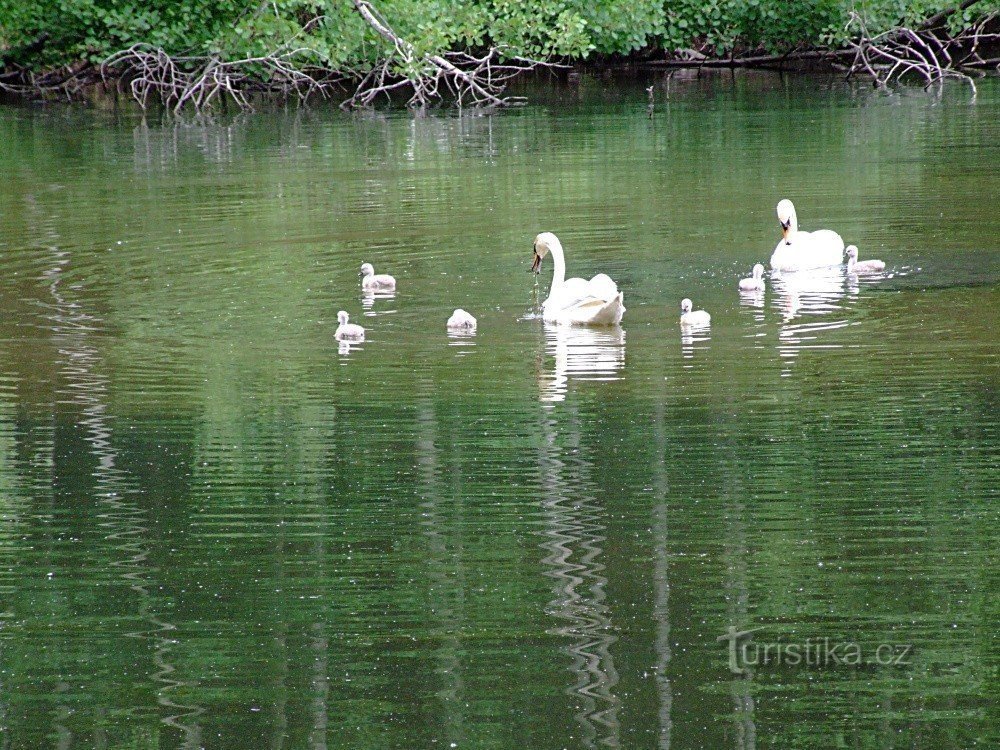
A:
(610, 313)
(592, 311)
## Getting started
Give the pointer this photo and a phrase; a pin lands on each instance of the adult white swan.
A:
(799, 251)
(575, 301)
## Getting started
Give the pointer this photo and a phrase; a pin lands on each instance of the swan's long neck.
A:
(793, 224)
(559, 262)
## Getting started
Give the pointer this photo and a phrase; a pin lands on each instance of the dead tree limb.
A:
(470, 79)
(752, 61)
(197, 82)
(927, 52)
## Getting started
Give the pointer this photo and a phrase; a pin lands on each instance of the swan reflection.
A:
(816, 294)
(461, 338)
(752, 298)
(693, 339)
(581, 354)
(752, 303)
(344, 348)
(369, 297)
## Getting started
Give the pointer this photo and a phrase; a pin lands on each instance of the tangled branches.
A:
(930, 52)
(22, 83)
(67, 81)
(197, 82)
(468, 79)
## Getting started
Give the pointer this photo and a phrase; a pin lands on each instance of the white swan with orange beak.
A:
(801, 251)
(576, 301)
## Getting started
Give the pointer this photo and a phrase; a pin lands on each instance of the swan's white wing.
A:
(577, 291)
(572, 293)
(828, 246)
(602, 287)
(585, 304)
(592, 312)
(587, 311)
(807, 250)
(594, 302)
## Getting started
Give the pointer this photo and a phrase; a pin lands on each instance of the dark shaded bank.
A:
(83, 83)
(960, 41)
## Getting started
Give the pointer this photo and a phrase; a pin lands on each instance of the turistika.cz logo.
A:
(813, 653)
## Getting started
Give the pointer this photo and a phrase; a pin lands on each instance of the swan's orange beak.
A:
(536, 265)
(785, 231)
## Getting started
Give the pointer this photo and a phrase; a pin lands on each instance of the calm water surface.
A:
(219, 529)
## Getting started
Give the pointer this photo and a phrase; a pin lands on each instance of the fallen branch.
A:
(469, 79)
(66, 81)
(928, 52)
(749, 61)
(199, 81)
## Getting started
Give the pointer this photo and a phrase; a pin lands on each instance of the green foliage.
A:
(330, 33)
(92, 29)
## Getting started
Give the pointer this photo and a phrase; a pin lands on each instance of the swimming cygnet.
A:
(348, 331)
(691, 317)
(373, 282)
(756, 282)
(863, 266)
(460, 320)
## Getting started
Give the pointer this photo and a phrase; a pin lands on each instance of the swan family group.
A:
(577, 301)
(796, 251)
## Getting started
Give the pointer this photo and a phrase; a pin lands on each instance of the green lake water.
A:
(220, 529)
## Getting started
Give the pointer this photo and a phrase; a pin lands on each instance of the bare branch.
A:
(197, 82)
(470, 80)
(926, 52)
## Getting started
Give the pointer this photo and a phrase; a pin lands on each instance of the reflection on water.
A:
(660, 525)
(694, 339)
(580, 353)
(369, 299)
(344, 348)
(119, 515)
(808, 295)
(441, 486)
(463, 340)
(574, 540)
(753, 299)
(220, 527)
(737, 589)
(753, 306)
(813, 292)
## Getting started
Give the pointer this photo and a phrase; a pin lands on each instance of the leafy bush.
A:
(334, 36)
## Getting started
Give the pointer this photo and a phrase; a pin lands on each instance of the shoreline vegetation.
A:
(199, 54)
